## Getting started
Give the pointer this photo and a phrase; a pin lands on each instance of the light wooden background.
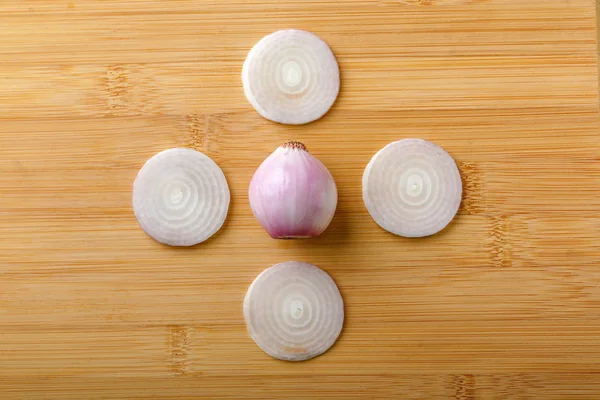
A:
(504, 304)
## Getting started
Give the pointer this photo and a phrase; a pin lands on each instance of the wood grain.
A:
(504, 304)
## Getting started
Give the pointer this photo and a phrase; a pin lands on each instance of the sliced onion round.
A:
(180, 197)
(412, 188)
(291, 77)
(294, 311)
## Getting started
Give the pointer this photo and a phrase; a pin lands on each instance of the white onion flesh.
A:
(291, 77)
(180, 197)
(412, 188)
(294, 311)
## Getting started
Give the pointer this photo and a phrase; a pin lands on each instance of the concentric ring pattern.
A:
(291, 77)
(294, 311)
(180, 197)
(412, 188)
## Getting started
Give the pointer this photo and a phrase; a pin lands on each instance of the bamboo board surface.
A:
(504, 304)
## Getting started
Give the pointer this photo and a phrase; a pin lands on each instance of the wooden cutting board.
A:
(504, 304)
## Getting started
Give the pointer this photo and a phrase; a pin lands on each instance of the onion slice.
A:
(412, 188)
(180, 197)
(291, 77)
(294, 311)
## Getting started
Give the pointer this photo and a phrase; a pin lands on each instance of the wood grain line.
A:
(179, 346)
(117, 83)
(463, 387)
(305, 386)
(204, 132)
(501, 250)
(427, 3)
(472, 188)
(197, 127)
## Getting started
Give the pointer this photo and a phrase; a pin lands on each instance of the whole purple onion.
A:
(292, 194)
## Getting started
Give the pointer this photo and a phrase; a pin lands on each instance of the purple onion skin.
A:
(292, 194)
